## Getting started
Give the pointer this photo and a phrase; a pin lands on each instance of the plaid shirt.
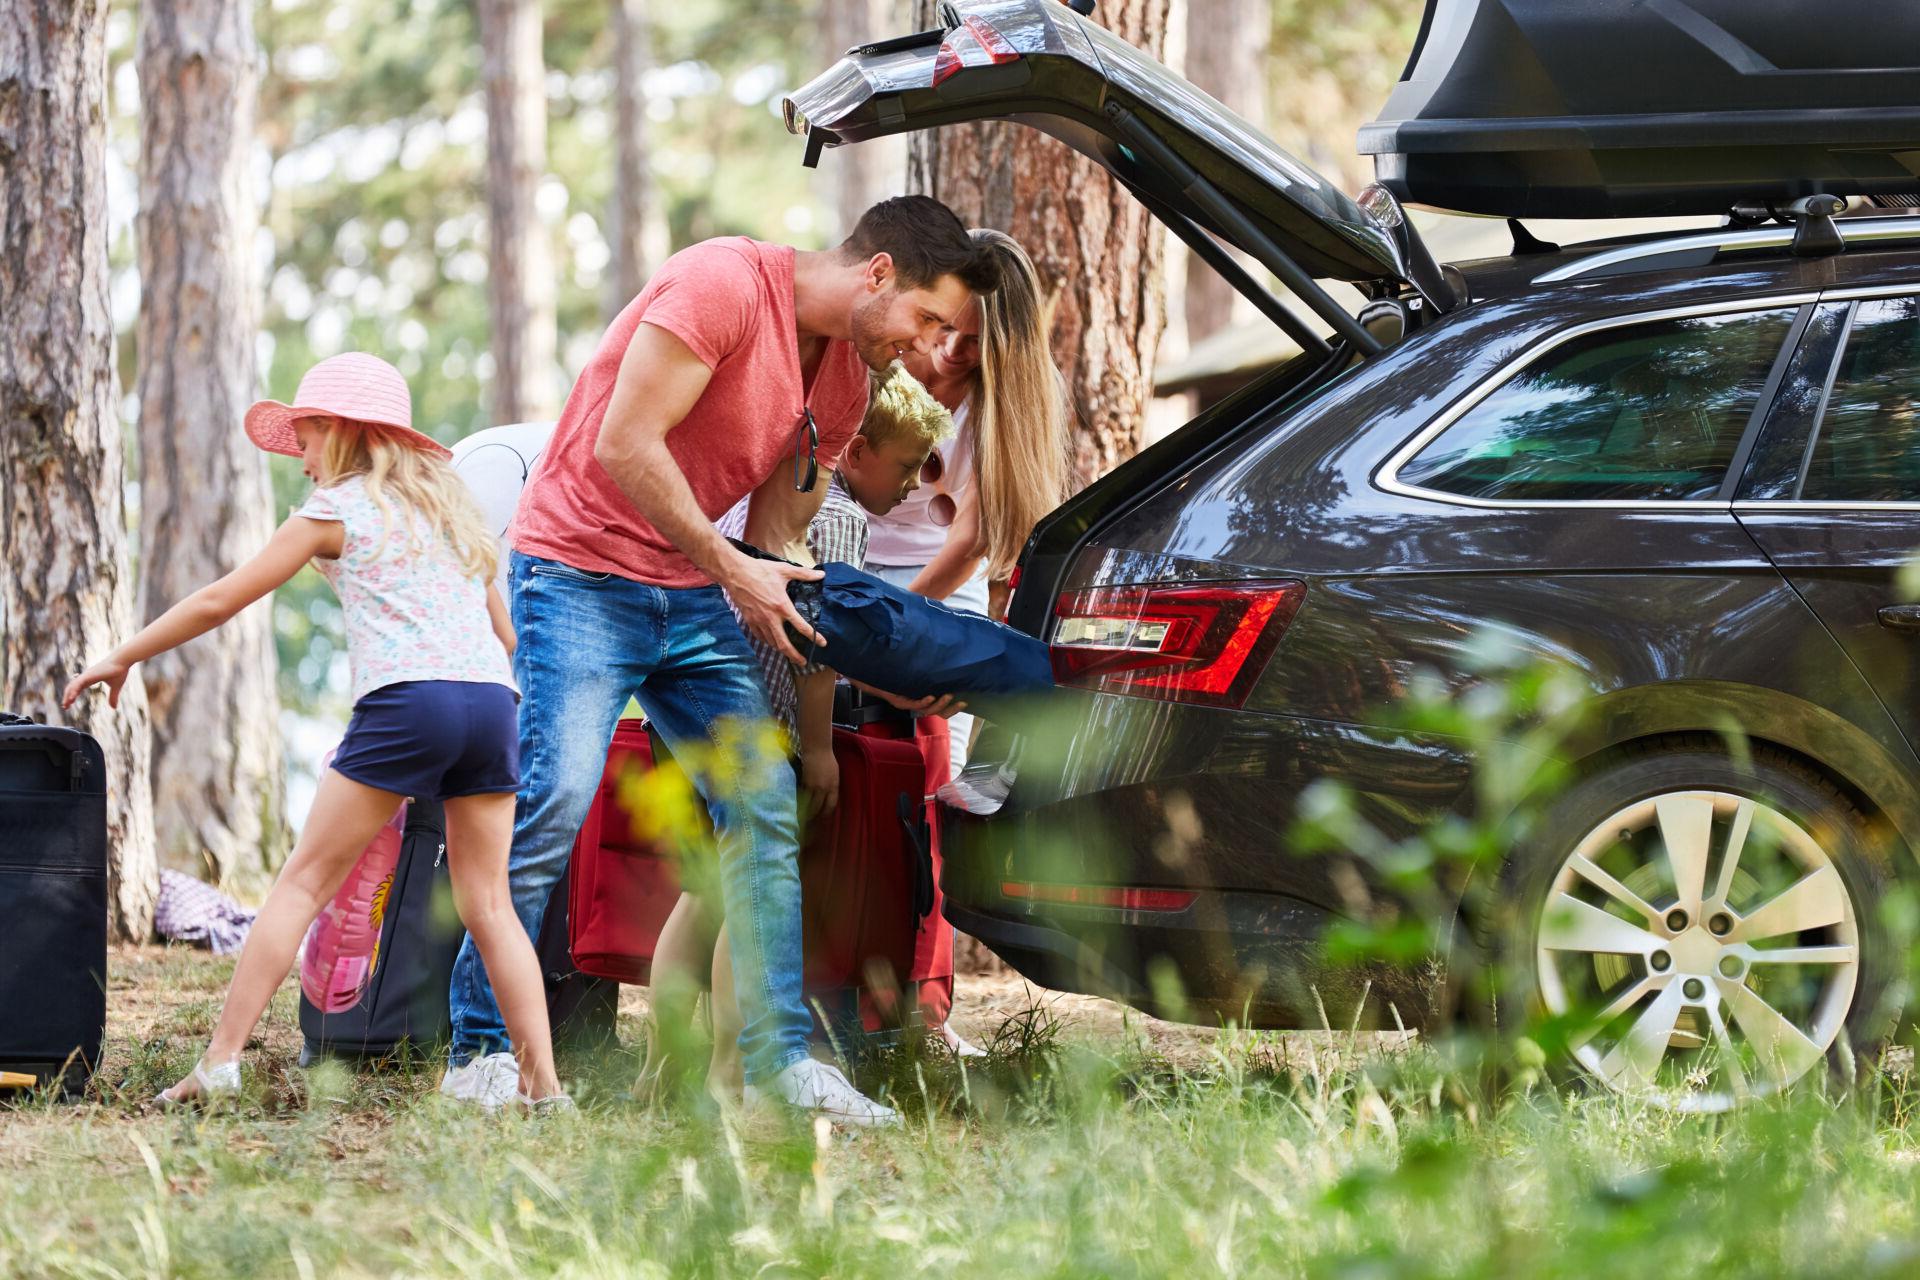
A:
(838, 533)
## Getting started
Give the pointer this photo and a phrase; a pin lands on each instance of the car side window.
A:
(1639, 412)
(1867, 446)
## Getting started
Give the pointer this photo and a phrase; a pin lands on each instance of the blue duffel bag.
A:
(897, 640)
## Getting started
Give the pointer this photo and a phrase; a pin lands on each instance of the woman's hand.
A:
(944, 705)
(107, 671)
(820, 779)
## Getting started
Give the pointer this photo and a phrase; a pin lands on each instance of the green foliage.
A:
(371, 166)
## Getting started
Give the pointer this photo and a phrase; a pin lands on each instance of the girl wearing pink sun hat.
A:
(353, 387)
(435, 714)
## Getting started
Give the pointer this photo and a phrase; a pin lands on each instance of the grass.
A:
(1066, 1155)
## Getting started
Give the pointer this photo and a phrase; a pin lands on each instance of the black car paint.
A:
(1676, 620)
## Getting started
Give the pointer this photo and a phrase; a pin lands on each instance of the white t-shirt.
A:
(906, 535)
(412, 611)
(496, 463)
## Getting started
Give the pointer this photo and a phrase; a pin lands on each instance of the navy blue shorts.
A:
(434, 739)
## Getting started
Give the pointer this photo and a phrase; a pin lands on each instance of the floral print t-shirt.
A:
(412, 611)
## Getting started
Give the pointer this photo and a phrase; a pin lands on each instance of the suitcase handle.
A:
(53, 741)
(919, 856)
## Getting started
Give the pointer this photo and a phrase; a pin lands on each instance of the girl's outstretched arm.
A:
(292, 545)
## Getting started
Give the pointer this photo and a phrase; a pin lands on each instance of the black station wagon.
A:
(1685, 468)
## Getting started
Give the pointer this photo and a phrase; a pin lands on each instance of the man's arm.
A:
(779, 515)
(660, 381)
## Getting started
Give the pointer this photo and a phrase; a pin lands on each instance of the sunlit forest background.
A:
(370, 171)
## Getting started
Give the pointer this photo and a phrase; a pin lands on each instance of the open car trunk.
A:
(1197, 165)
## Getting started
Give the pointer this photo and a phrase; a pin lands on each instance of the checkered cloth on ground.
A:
(191, 910)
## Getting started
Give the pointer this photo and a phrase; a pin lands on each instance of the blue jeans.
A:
(588, 641)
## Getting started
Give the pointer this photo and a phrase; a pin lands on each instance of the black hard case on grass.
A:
(406, 1001)
(1624, 108)
(53, 902)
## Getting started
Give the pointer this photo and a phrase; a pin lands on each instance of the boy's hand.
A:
(759, 591)
(820, 779)
(944, 705)
(108, 672)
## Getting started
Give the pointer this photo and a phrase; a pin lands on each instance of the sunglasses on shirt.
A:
(806, 449)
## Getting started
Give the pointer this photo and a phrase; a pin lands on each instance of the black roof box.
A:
(1620, 108)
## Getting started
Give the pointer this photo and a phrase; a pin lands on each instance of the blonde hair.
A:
(899, 408)
(420, 481)
(1019, 410)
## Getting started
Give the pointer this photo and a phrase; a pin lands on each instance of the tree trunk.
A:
(218, 794)
(1227, 57)
(66, 593)
(1099, 253)
(629, 218)
(520, 277)
(870, 172)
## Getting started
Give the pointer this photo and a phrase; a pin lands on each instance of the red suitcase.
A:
(625, 881)
(860, 867)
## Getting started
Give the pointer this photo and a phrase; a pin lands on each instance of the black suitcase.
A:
(53, 902)
(406, 1002)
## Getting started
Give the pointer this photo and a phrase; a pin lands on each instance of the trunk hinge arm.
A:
(1240, 228)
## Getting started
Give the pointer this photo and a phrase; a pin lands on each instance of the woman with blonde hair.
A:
(398, 536)
(981, 493)
(956, 538)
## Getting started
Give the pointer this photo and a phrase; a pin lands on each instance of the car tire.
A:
(1677, 979)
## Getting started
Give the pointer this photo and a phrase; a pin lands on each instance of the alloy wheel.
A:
(1702, 947)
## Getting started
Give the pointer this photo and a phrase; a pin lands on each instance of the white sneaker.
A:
(809, 1085)
(490, 1082)
(958, 1044)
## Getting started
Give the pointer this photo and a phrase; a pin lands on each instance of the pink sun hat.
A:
(354, 386)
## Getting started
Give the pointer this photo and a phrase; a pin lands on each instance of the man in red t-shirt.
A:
(742, 368)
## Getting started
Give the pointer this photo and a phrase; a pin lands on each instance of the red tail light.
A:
(1204, 643)
(1100, 895)
(974, 43)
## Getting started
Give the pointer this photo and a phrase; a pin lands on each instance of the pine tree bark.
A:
(218, 792)
(1099, 253)
(1226, 56)
(632, 206)
(66, 592)
(520, 287)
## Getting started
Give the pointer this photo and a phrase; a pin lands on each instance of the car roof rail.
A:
(1621, 259)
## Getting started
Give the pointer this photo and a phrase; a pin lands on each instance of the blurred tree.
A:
(370, 159)
(1099, 252)
(66, 592)
(519, 267)
(218, 784)
(1227, 57)
(1331, 65)
(630, 211)
(859, 175)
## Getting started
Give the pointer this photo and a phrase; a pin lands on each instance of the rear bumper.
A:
(1250, 957)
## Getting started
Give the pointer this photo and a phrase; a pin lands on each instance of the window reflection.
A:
(1654, 411)
(1868, 448)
